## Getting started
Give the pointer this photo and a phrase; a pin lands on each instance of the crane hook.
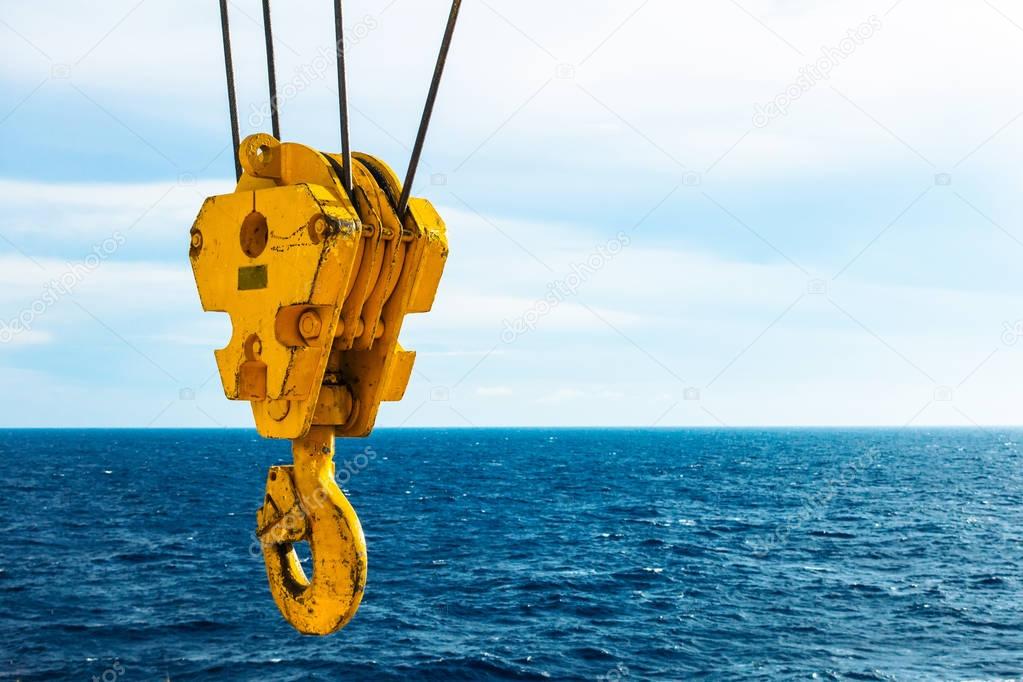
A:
(304, 503)
(334, 253)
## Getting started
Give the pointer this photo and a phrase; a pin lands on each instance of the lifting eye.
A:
(262, 155)
(254, 234)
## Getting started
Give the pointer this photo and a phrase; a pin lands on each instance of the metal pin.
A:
(232, 102)
(431, 98)
(271, 69)
(342, 95)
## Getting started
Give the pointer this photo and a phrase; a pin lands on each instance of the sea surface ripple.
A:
(527, 554)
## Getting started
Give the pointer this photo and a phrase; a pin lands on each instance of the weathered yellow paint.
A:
(304, 503)
(317, 285)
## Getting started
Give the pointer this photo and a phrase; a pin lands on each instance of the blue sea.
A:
(527, 554)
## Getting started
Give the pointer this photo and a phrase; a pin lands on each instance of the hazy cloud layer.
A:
(660, 212)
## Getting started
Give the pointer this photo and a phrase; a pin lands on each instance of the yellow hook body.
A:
(303, 502)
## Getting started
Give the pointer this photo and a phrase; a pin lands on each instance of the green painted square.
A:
(252, 277)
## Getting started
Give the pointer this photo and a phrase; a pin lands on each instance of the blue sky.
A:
(848, 257)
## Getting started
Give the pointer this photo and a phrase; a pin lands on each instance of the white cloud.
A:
(696, 295)
(95, 211)
(107, 281)
(754, 324)
(24, 338)
(571, 394)
(687, 78)
(494, 391)
(561, 395)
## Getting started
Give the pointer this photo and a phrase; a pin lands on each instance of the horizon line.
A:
(718, 427)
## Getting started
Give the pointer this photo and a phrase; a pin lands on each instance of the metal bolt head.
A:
(309, 324)
(197, 239)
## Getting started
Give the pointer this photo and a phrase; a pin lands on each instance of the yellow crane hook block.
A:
(317, 282)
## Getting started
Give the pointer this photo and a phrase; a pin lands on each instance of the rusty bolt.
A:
(309, 324)
(197, 240)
